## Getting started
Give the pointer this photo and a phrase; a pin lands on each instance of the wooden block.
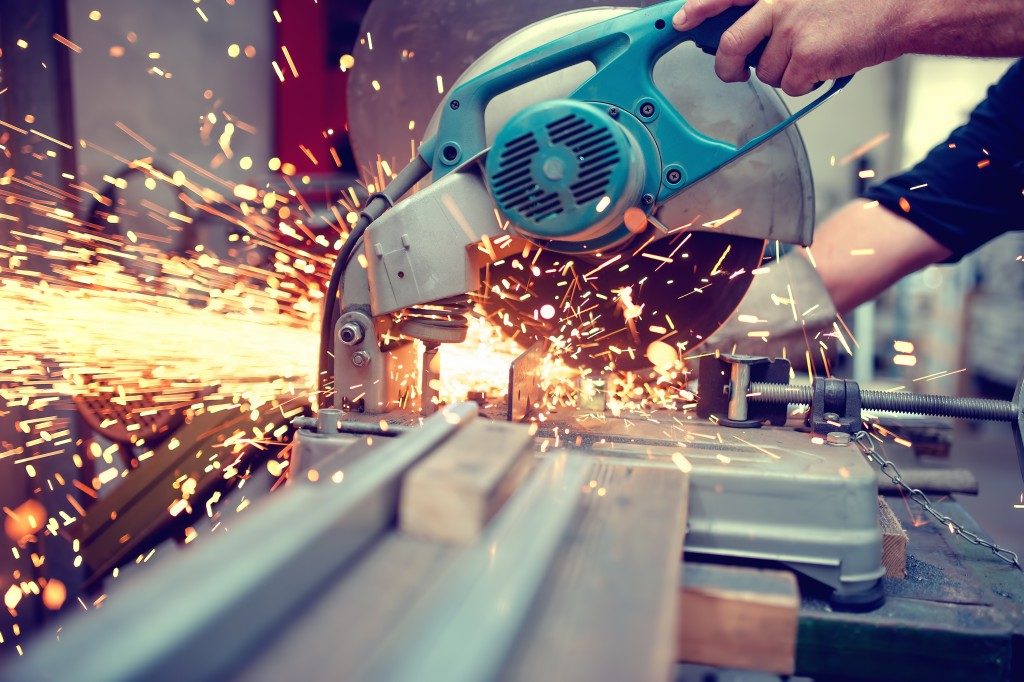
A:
(453, 493)
(608, 609)
(738, 617)
(894, 542)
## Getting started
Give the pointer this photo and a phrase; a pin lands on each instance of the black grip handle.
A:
(708, 35)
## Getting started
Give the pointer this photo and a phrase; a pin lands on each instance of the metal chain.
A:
(867, 446)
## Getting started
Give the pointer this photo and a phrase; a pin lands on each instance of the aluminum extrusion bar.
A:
(233, 593)
(608, 609)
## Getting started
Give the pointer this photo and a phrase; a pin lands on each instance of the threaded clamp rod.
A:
(895, 401)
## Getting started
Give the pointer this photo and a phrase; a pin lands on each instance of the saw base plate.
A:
(770, 493)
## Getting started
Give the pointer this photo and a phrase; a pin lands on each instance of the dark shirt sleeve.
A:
(969, 189)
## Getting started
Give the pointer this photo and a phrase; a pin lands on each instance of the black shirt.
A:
(969, 189)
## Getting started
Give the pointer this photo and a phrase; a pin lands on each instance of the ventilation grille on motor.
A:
(595, 150)
(595, 154)
(514, 186)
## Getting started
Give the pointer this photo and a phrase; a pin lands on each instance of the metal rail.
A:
(230, 595)
(490, 590)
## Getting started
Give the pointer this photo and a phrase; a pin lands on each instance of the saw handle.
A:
(708, 35)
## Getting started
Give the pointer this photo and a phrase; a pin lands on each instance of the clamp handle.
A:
(624, 50)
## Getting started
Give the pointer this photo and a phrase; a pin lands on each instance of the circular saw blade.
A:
(686, 284)
(604, 313)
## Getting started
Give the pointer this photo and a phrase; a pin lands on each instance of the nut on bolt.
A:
(360, 358)
(351, 333)
(838, 438)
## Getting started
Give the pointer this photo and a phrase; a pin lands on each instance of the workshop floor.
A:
(989, 452)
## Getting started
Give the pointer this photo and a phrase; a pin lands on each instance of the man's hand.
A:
(809, 40)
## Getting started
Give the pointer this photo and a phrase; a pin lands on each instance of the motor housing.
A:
(564, 172)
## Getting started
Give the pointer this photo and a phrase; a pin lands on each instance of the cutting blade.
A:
(605, 313)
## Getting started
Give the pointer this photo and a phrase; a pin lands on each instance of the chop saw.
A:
(572, 195)
(594, 186)
(591, 184)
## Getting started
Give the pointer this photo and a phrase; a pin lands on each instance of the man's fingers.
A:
(693, 12)
(740, 40)
(797, 80)
(773, 63)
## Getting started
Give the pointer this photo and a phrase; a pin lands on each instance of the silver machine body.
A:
(763, 494)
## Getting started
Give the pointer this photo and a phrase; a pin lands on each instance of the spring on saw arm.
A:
(443, 321)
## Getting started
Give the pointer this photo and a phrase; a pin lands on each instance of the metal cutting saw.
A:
(593, 185)
(588, 182)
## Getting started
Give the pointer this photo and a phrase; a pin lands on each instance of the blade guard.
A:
(624, 51)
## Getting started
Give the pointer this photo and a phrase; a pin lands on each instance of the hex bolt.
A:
(351, 333)
(360, 358)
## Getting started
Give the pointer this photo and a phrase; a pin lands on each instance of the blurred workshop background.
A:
(256, 91)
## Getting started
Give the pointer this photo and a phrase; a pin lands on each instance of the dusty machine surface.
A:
(768, 494)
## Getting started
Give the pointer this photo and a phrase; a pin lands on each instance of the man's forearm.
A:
(863, 249)
(979, 28)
